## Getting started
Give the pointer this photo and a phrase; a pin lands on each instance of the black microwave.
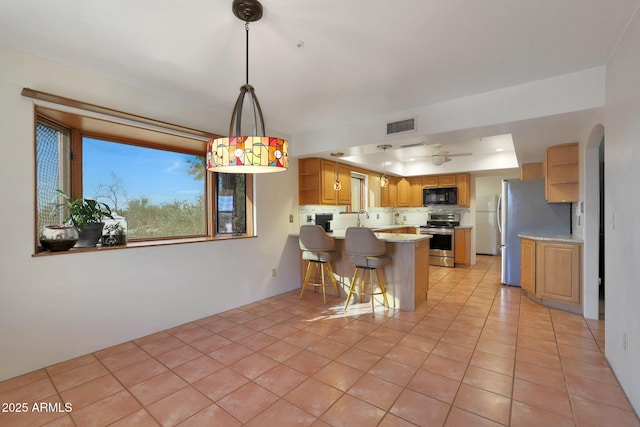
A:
(440, 196)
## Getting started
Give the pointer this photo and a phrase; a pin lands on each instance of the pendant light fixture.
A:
(337, 185)
(239, 153)
(384, 180)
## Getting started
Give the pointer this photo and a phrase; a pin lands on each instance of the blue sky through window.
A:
(159, 175)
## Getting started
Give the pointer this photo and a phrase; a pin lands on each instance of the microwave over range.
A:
(440, 196)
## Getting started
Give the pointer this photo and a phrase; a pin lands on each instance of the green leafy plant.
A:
(84, 211)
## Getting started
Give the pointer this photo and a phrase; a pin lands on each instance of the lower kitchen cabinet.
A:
(528, 265)
(551, 270)
(462, 246)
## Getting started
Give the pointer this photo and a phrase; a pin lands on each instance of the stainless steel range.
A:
(441, 228)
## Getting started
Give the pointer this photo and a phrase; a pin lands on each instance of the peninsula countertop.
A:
(561, 238)
(387, 237)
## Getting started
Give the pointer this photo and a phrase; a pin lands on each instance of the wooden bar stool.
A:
(368, 253)
(317, 248)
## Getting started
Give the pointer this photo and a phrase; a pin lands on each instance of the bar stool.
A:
(317, 247)
(367, 252)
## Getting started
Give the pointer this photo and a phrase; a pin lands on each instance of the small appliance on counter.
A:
(324, 220)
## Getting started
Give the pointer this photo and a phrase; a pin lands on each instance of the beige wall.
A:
(59, 307)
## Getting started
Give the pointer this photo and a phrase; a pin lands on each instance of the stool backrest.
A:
(362, 241)
(314, 238)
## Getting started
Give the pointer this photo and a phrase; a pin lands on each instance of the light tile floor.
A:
(475, 354)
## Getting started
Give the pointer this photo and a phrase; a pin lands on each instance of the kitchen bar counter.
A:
(387, 237)
(406, 277)
(561, 238)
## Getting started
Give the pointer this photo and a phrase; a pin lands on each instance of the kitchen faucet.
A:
(358, 223)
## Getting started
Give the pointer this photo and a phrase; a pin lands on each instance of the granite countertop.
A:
(388, 237)
(392, 227)
(563, 238)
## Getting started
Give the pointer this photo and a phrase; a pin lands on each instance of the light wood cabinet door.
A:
(416, 191)
(464, 196)
(328, 176)
(447, 181)
(462, 246)
(528, 265)
(344, 195)
(562, 173)
(389, 195)
(404, 193)
(531, 171)
(431, 181)
(328, 195)
(558, 271)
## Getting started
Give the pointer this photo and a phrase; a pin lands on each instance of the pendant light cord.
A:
(246, 29)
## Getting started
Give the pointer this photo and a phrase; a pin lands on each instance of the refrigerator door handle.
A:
(499, 213)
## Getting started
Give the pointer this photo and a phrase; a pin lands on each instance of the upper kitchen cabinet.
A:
(389, 194)
(309, 181)
(531, 171)
(344, 195)
(435, 181)
(415, 199)
(447, 180)
(315, 183)
(404, 193)
(464, 194)
(431, 181)
(561, 173)
(329, 196)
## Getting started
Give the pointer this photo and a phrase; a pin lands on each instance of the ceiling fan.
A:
(439, 156)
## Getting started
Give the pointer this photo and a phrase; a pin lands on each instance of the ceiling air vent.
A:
(401, 126)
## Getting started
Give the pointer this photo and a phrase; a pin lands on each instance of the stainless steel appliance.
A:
(523, 208)
(440, 196)
(442, 244)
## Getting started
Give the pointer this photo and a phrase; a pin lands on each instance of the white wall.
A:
(58, 307)
(622, 203)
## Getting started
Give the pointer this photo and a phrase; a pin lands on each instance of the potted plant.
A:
(115, 234)
(87, 216)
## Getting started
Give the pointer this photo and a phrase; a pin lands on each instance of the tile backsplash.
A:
(379, 216)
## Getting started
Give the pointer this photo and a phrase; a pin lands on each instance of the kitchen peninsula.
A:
(406, 277)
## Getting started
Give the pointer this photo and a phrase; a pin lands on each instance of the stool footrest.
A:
(323, 284)
(367, 287)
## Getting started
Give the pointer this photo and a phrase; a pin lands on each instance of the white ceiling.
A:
(360, 59)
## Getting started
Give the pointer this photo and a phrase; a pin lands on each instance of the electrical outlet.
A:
(625, 341)
(308, 218)
(377, 216)
(404, 217)
(291, 219)
(273, 272)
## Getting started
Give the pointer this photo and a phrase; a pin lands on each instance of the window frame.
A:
(128, 132)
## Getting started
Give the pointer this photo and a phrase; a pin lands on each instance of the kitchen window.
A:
(155, 181)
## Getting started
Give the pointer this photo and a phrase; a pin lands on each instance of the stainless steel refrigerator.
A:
(523, 208)
(487, 233)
